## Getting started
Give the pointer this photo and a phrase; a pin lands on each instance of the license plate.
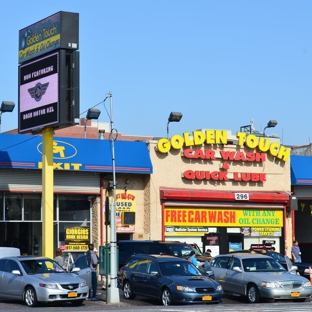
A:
(72, 294)
(295, 294)
(206, 298)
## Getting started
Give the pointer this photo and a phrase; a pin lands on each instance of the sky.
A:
(220, 63)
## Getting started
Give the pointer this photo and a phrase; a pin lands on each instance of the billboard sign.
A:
(58, 31)
(39, 93)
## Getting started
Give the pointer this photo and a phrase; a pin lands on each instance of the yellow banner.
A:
(223, 217)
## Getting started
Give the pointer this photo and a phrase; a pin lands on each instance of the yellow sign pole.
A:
(47, 193)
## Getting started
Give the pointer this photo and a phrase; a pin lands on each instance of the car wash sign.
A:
(199, 146)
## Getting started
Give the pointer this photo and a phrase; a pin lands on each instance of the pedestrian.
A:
(295, 252)
(264, 251)
(59, 257)
(92, 260)
(252, 251)
(208, 253)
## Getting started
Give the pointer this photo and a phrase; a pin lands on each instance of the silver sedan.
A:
(38, 279)
(258, 276)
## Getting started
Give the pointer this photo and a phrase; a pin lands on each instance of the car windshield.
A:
(262, 265)
(178, 268)
(182, 250)
(39, 266)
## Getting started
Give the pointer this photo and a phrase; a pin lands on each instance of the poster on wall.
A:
(125, 211)
(76, 239)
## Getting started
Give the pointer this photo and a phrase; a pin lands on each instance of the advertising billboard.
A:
(49, 92)
(58, 31)
(38, 93)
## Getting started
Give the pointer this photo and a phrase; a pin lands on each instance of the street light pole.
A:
(113, 291)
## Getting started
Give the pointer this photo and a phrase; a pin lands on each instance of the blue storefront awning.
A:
(75, 154)
(301, 170)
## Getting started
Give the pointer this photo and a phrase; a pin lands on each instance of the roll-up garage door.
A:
(19, 180)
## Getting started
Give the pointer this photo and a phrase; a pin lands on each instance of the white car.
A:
(38, 279)
(258, 276)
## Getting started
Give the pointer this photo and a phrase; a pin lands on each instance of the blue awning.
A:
(75, 154)
(301, 170)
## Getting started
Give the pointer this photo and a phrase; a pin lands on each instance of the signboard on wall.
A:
(77, 239)
(58, 31)
(125, 203)
(47, 97)
(39, 93)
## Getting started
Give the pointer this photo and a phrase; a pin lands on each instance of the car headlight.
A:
(50, 286)
(270, 285)
(83, 284)
(219, 288)
(306, 284)
(185, 288)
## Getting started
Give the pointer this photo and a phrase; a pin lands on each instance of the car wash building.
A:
(222, 191)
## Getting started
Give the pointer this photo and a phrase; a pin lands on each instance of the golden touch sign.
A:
(259, 147)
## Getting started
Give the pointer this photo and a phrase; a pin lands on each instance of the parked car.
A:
(81, 268)
(128, 248)
(38, 279)
(259, 276)
(167, 278)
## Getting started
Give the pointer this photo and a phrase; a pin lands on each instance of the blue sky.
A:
(220, 63)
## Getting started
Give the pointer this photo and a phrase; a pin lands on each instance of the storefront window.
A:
(13, 207)
(32, 207)
(74, 208)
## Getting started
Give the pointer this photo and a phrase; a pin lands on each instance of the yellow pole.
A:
(47, 193)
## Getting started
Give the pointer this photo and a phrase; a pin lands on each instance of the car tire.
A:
(166, 297)
(253, 295)
(30, 297)
(76, 303)
(127, 290)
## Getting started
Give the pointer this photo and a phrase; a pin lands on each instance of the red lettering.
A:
(260, 157)
(197, 216)
(220, 217)
(212, 216)
(200, 175)
(209, 154)
(226, 155)
(245, 176)
(223, 176)
(255, 177)
(189, 174)
(190, 216)
(204, 217)
(184, 216)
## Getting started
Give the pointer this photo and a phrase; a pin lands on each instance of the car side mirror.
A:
(16, 272)
(75, 270)
(155, 273)
(237, 269)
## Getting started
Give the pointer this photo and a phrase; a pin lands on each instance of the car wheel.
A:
(30, 297)
(127, 290)
(76, 303)
(166, 297)
(253, 295)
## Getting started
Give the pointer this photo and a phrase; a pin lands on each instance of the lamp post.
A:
(173, 117)
(271, 124)
(113, 291)
(6, 107)
(92, 113)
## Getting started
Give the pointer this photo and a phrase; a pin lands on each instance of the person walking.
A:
(92, 260)
(295, 252)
